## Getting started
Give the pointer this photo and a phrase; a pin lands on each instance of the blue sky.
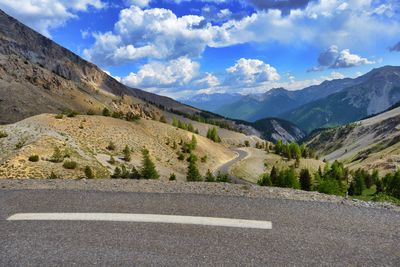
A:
(180, 48)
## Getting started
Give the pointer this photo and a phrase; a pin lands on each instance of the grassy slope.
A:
(85, 138)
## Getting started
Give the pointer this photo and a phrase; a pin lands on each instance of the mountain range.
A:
(330, 103)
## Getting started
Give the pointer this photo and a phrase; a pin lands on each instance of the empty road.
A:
(225, 168)
(303, 233)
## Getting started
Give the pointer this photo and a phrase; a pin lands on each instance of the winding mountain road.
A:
(225, 168)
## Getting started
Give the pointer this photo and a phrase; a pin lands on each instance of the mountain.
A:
(372, 143)
(274, 129)
(211, 102)
(279, 100)
(39, 76)
(372, 93)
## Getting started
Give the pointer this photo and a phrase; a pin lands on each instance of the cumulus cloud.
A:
(248, 72)
(139, 3)
(177, 72)
(156, 33)
(335, 59)
(45, 15)
(396, 47)
(284, 5)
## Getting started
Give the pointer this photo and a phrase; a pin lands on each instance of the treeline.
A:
(185, 126)
(334, 179)
(212, 134)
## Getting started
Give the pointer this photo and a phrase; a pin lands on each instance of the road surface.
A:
(303, 232)
(225, 168)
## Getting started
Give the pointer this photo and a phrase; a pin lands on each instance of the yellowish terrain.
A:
(85, 138)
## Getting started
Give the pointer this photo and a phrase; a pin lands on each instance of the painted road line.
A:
(146, 218)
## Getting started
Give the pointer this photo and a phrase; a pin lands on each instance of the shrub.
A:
(127, 153)
(111, 146)
(132, 117)
(118, 114)
(124, 172)
(213, 135)
(117, 173)
(247, 143)
(33, 158)
(57, 156)
(265, 180)
(163, 119)
(106, 112)
(53, 176)
(209, 177)
(89, 173)
(91, 112)
(203, 159)
(71, 113)
(330, 186)
(135, 174)
(3, 134)
(222, 178)
(21, 143)
(70, 165)
(172, 177)
(111, 160)
(59, 116)
(181, 156)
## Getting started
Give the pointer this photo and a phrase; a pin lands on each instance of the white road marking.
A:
(148, 218)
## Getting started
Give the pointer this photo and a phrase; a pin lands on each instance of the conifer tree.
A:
(305, 180)
(148, 170)
(209, 176)
(193, 174)
(127, 153)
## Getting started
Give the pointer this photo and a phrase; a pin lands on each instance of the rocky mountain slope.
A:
(375, 92)
(280, 100)
(273, 129)
(38, 76)
(372, 143)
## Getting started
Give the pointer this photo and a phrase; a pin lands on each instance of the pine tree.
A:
(305, 180)
(106, 112)
(172, 177)
(193, 174)
(193, 142)
(117, 173)
(359, 182)
(274, 176)
(174, 122)
(89, 173)
(148, 170)
(265, 180)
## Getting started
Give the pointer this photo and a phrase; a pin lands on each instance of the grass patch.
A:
(3, 134)
(33, 158)
(70, 165)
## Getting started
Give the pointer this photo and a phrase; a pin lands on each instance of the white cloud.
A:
(139, 3)
(177, 72)
(334, 58)
(44, 15)
(248, 72)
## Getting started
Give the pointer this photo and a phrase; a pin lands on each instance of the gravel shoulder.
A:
(177, 187)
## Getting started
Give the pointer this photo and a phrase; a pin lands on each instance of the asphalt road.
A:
(225, 168)
(303, 233)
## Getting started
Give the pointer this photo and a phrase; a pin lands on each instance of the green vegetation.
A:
(71, 113)
(293, 150)
(172, 177)
(111, 146)
(57, 156)
(59, 116)
(181, 125)
(90, 112)
(111, 160)
(134, 174)
(212, 134)
(106, 112)
(88, 172)
(3, 134)
(131, 117)
(163, 119)
(53, 176)
(305, 180)
(193, 174)
(209, 177)
(127, 153)
(33, 158)
(148, 170)
(70, 165)
(21, 142)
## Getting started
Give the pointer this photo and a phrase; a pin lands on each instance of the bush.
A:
(181, 156)
(127, 153)
(89, 173)
(330, 187)
(193, 174)
(132, 117)
(70, 165)
(59, 116)
(213, 135)
(247, 143)
(203, 159)
(106, 112)
(209, 177)
(21, 143)
(265, 180)
(111, 160)
(172, 177)
(117, 173)
(53, 176)
(71, 113)
(163, 119)
(91, 112)
(222, 178)
(33, 158)
(111, 146)
(57, 156)
(135, 174)
(3, 134)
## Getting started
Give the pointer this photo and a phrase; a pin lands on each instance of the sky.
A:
(180, 48)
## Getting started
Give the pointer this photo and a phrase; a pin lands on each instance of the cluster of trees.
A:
(293, 150)
(333, 179)
(129, 116)
(147, 171)
(185, 126)
(212, 134)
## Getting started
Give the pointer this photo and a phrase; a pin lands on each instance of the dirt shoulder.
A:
(151, 186)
